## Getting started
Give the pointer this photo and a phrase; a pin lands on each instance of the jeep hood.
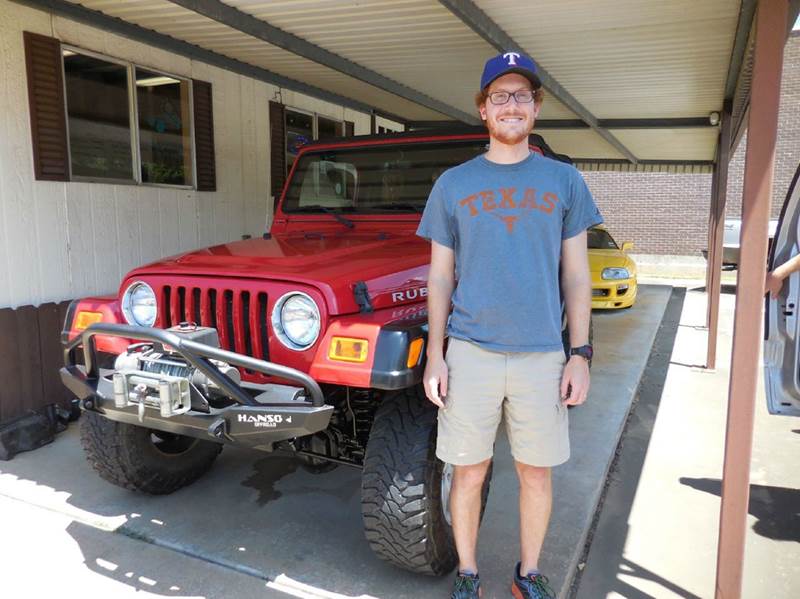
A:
(394, 267)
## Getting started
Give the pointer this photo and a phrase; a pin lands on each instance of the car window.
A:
(391, 179)
(327, 183)
(598, 239)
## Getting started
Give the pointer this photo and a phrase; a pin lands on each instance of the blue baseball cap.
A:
(510, 62)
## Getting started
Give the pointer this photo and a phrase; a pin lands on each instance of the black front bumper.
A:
(247, 422)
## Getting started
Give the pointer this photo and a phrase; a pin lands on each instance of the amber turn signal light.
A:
(348, 349)
(84, 319)
(414, 352)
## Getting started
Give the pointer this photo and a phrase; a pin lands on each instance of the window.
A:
(299, 131)
(95, 118)
(165, 142)
(328, 184)
(139, 135)
(327, 128)
(98, 117)
(373, 180)
(599, 239)
(303, 127)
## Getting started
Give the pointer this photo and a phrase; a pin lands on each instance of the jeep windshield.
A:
(378, 179)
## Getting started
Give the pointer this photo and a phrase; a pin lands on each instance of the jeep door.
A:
(782, 325)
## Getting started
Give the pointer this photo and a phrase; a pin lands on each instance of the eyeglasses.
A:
(522, 96)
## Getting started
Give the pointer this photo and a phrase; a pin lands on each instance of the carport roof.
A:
(630, 84)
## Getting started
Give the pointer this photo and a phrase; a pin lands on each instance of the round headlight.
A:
(296, 320)
(616, 273)
(139, 305)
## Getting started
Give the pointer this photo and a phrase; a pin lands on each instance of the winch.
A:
(154, 375)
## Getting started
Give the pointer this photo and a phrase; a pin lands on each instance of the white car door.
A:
(782, 333)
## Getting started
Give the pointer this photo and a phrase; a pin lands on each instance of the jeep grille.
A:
(239, 316)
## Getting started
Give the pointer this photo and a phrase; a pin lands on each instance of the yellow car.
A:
(613, 271)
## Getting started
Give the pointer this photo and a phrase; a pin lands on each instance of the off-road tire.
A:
(401, 487)
(125, 455)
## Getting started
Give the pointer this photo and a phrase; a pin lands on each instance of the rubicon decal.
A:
(410, 294)
(265, 420)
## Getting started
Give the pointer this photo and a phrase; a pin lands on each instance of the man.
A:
(500, 225)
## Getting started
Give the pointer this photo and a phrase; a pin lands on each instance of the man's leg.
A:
(465, 511)
(535, 503)
(538, 429)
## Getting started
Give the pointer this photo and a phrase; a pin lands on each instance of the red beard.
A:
(511, 136)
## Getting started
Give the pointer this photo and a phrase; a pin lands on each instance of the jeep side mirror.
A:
(627, 245)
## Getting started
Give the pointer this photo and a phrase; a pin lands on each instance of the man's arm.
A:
(776, 277)
(441, 282)
(576, 285)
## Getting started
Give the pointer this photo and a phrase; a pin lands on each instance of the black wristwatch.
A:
(585, 351)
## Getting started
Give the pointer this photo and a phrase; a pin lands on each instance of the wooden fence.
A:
(30, 357)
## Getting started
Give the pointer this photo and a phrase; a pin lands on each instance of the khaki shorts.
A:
(485, 385)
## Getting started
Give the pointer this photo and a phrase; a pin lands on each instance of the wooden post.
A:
(717, 234)
(771, 23)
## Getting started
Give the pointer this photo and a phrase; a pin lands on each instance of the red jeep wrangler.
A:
(310, 340)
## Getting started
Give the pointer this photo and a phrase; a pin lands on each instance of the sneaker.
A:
(466, 586)
(531, 586)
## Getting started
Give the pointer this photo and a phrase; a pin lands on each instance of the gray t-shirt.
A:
(505, 223)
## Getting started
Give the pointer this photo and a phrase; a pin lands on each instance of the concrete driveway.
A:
(658, 528)
(258, 525)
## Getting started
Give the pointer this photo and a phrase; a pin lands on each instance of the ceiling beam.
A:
(653, 123)
(260, 29)
(746, 15)
(736, 85)
(560, 124)
(480, 23)
(611, 161)
(699, 122)
(657, 123)
(164, 42)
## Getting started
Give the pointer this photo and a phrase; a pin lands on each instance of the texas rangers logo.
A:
(511, 57)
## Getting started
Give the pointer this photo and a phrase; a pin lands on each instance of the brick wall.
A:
(787, 152)
(668, 213)
(661, 213)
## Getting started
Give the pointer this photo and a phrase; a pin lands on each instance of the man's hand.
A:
(575, 381)
(773, 285)
(435, 380)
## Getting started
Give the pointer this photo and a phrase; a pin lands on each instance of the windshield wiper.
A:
(400, 206)
(335, 214)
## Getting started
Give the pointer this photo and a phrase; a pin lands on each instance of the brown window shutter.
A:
(349, 128)
(46, 102)
(204, 136)
(277, 150)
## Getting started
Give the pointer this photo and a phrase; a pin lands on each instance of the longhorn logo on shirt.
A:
(487, 201)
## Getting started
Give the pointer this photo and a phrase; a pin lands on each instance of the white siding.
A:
(391, 125)
(65, 240)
